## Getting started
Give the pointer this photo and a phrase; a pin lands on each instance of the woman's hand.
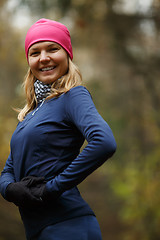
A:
(20, 192)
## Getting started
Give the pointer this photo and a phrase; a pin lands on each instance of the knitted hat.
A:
(48, 30)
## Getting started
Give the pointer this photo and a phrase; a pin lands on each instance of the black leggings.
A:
(81, 228)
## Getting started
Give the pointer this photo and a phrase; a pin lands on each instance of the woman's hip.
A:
(80, 228)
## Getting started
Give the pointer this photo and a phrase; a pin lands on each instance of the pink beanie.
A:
(48, 30)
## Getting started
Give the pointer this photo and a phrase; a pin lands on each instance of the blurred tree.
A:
(11, 68)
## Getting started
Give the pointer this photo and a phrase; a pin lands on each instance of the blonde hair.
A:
(71, 79)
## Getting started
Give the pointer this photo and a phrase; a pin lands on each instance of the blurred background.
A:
(116, 45)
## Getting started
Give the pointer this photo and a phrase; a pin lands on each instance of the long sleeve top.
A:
(47, 143)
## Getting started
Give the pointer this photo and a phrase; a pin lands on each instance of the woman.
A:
(45, 164)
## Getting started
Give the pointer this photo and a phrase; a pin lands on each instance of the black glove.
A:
(33, 181)
(40, 191)
(37, 187)
(19, 192)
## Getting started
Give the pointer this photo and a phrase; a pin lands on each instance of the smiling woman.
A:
(48, 61)
(45, 164)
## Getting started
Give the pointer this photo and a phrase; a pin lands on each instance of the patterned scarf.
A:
(41, 90)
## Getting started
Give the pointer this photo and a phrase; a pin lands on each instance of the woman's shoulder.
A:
(78, 88)
(78, 91)
(78, 98)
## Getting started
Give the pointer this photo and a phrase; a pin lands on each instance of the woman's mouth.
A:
(47, 69)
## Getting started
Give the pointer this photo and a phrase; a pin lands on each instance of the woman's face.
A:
(48, 61)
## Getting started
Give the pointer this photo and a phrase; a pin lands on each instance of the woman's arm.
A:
(81, 111)
(18, 192)
(7, 175)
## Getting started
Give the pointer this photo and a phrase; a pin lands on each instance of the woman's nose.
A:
(44, 56)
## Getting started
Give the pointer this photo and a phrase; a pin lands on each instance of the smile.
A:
(47, 69)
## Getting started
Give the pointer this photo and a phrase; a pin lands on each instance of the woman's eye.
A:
(54, 49)
(34, 53)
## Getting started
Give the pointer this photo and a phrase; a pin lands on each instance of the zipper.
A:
(38, 108)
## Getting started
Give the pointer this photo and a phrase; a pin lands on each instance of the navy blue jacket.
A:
(47, 143)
